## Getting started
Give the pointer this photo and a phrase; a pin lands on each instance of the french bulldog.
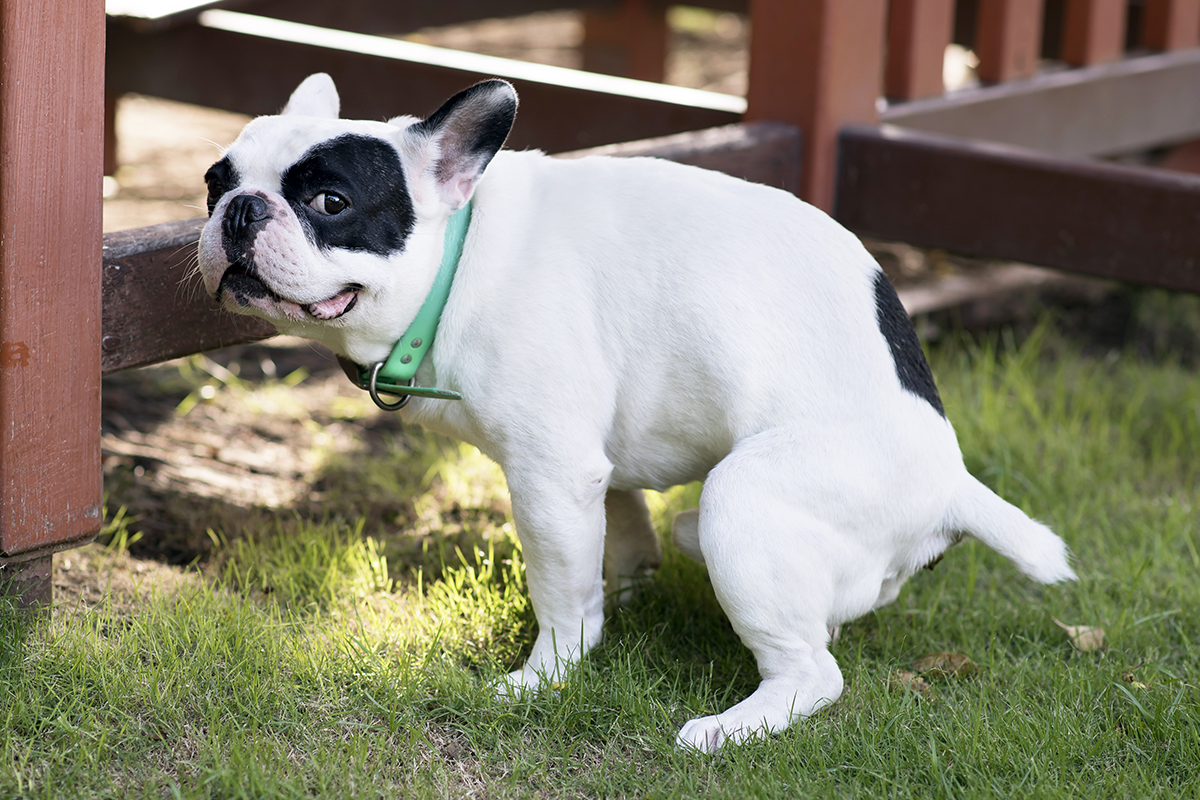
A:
(615, 325)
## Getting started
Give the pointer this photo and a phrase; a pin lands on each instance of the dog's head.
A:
(327, 226)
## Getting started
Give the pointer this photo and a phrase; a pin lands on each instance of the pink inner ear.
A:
(457, 191)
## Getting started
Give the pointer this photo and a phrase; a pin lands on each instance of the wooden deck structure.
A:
(1007, 169)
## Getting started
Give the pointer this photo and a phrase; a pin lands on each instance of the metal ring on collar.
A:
(375, 392)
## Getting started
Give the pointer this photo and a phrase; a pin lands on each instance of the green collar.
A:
(395, 375)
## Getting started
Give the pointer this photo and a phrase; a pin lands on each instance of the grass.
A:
(345, 657)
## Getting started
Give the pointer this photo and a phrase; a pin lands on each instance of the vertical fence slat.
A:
(918, 32)
(818, 65)
(1171, 24)
(1008, 39)
(630, 40)
(51, 151)
(1094, 31)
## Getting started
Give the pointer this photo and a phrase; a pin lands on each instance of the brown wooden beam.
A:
(1170, 24)
(154, 311)
(760, 152)
(1128, 105)
(363, 16)
(994, 201)
(1008, 39)
(1094, 31)
(51, 152)
(918, 32)
(254, 74)
(630, 39)
(818, 65)
(154, 307)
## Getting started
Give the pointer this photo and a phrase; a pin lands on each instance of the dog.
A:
(614, 325)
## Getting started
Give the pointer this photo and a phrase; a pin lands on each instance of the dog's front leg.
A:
(560, 521)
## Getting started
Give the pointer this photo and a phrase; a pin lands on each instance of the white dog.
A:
(615, 325)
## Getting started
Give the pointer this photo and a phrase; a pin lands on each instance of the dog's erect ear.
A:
(464, 134)
(316, 96)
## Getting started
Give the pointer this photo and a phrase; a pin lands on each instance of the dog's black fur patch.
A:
(221, 177)
(366, 173)
(897, 329)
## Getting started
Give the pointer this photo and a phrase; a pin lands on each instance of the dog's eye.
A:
(329, 203)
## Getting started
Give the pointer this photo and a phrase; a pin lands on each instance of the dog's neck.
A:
(394, 375)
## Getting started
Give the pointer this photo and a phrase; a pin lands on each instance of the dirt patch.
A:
(93, 575)
(223, 441)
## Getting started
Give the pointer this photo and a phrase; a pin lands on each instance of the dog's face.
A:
(332, 229)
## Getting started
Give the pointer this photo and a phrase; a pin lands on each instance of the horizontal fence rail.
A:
(1110, 109)
(1003, 202)
(154, 307)
(380, 77)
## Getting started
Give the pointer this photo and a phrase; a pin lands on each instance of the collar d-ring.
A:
(375, 392)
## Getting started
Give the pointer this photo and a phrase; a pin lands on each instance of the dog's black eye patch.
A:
(365, 173)
(911, 366)
(221, 177)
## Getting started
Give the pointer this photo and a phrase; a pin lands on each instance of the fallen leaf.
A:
(945, 665)
(1084, 638)
(903, 679)
(1129, 678)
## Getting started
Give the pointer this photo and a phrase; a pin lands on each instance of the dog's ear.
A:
(316, 96)
(459, 140)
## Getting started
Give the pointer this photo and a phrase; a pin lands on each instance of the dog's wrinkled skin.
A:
(621, 324)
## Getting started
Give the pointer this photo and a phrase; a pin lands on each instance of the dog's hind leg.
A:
(772, 566)
(631, 547)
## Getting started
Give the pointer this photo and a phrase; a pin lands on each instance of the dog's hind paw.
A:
(710, 734)
(702, 735)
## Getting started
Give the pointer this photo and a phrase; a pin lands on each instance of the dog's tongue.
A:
(335, 306)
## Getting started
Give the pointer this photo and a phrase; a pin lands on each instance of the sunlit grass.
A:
(354, 656)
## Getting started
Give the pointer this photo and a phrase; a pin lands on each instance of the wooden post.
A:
(918, 33)
(51, 149)
(818, 65)
(630, 41)
(1094, 31)
(1171, 24)
(1008, 39)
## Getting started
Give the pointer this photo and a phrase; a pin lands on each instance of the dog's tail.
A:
(1035, 549)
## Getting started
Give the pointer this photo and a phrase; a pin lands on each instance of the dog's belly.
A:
(662, 462)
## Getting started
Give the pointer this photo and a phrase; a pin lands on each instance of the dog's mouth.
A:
(335, 306)
(248, 290)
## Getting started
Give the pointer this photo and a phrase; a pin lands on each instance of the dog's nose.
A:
(244, 215)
